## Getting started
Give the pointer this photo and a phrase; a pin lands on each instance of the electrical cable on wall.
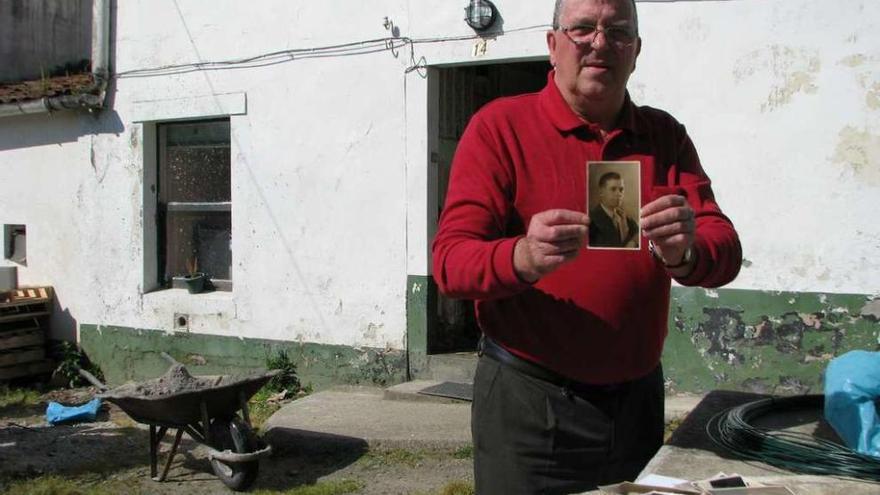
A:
(797, 452)
(392, 44)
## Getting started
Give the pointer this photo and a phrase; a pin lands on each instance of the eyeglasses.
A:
(585, 34)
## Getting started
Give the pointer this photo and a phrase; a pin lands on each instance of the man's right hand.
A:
(554, 237)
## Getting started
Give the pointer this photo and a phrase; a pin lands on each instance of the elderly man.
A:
(568, 391)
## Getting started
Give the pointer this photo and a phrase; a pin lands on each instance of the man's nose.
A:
(595, 44)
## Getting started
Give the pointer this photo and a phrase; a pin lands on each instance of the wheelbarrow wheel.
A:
(235, 435)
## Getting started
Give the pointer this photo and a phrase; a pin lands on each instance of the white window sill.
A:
(220, 303)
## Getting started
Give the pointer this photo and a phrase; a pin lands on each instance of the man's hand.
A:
(554, 237)
(669, 223)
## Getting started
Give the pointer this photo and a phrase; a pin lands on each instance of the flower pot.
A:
(195, 283)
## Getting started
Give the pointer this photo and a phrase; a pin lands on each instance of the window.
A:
(15, 243)
(194, 207)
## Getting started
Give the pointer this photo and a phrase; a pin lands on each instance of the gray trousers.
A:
(531, 436)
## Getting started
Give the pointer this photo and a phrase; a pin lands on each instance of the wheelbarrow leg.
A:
(245, 414)
(171, 454)
(155, 440)
(206, 421)
(152, 452)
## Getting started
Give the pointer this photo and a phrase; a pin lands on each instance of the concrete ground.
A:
(400, 417)
(397, 417)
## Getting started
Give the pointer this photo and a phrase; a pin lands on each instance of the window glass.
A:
(201, 239)
(195, 228)
(197, 174)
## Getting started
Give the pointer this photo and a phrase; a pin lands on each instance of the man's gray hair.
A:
(560, 4)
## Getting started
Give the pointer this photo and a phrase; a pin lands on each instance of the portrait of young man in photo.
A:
(612, 225)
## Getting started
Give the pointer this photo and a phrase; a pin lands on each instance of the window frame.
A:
(163, 208)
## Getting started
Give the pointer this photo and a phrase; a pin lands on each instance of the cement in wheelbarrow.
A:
(175, 398)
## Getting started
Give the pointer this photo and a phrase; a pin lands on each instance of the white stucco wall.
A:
(782, 99)
(330, 157)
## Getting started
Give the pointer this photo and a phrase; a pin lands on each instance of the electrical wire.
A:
(733, 430)
(392, 44)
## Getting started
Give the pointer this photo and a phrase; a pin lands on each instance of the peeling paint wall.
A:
(763, 342)
(319, 209)
(127, 354)
(781, 100)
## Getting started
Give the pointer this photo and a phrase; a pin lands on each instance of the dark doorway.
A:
(462, 91)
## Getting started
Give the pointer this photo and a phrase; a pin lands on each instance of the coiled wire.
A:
(797, 452)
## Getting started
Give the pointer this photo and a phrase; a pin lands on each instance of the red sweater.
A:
(603, 317)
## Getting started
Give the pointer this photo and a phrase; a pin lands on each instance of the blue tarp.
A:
(852, 386)
(58, 413)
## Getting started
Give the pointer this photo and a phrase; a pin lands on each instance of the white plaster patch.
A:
(792, 69)
(871, 309)
(859, 150)
(854, 60)
(811, 320)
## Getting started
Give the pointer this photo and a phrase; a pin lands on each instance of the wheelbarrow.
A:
(205, 407)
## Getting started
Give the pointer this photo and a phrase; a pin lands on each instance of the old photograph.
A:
(613, 194)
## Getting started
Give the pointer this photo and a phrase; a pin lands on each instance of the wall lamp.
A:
(480, 14)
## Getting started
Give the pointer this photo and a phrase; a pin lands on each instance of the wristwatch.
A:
(685, 259)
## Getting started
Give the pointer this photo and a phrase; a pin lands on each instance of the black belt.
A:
(490, 348)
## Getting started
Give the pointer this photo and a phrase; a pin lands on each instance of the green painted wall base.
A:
(421, 309)
(134, 354)
(765, 342)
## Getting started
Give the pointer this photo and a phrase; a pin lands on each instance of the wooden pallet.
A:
(25, 304)
(26, 296)
(23, 326)
(26, 369)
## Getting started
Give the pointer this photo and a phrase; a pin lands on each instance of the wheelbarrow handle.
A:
(91, 378)
(169, 358)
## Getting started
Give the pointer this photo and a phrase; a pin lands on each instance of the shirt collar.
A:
(564, 118)
(608, 212)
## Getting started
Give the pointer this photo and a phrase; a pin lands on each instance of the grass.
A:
(412, 458)
(466, 452)
(398, 457)
(56, 485)
(18, 397)
(671, 426)
(260, 410)
(457, 488)
(339, 487)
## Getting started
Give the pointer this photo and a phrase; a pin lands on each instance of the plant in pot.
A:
(194, 279)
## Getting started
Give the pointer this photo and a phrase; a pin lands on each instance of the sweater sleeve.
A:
(716, 244)
(472, 258)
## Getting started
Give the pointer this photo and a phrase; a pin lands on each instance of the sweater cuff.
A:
(701, 268)
(502, 263)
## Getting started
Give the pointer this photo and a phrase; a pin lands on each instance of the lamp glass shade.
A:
(480, 14)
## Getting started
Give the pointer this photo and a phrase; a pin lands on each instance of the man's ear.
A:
(638, 51)
(551, 46)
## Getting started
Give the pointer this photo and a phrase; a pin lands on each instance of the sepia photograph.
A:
(613, 195)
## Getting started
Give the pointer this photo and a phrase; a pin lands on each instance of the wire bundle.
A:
(796, 452)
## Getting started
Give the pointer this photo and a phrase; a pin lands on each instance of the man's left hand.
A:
(668, 222)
